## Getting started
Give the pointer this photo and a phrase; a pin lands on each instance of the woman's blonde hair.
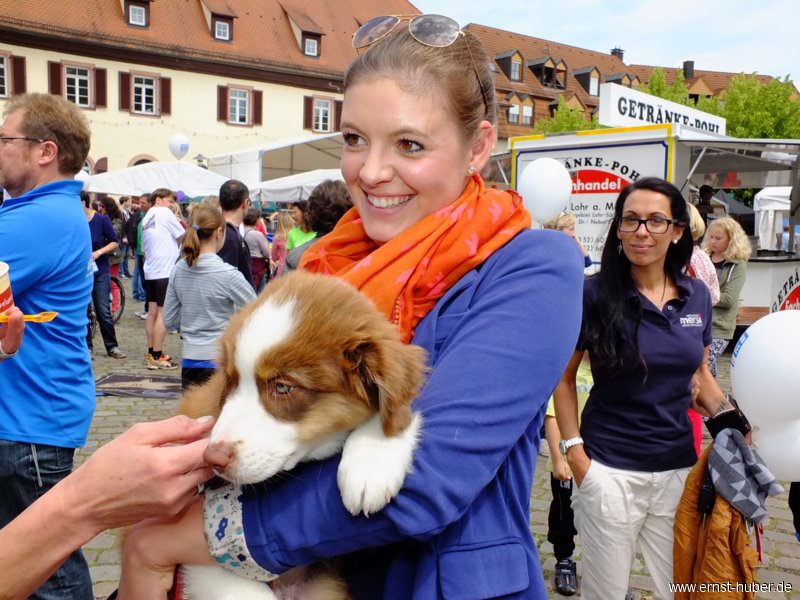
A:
(285, 223)
(696, 224)
(739, 248)
(203, 223)
(562, 221)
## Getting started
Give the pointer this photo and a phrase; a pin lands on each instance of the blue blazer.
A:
(497, 343)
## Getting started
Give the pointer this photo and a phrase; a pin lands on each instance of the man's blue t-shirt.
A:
(47, 393)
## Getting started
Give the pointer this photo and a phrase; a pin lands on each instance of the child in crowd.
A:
(560, 524)
(203, 293)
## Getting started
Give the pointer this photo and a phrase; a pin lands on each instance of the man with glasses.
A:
(47, 385)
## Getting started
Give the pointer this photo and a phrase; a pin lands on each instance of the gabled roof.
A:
(498, 41)
(508, 54)
(303, 20)
(584, 70)
(715, 80)
(220, 7)
(263, 37)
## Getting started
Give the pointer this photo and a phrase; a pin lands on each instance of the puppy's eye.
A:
(281, 387)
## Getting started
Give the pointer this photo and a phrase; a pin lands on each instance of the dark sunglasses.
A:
(437, 31)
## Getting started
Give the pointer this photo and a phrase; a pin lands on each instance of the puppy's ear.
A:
(205, 399)
(391, 373)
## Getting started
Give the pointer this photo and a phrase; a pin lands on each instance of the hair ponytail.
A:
(203, 223)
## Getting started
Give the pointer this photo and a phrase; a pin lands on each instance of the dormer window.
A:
(222, 27)
(137, 13)
(589, 78)
(551, 73)
(311, 45)
(516, 70)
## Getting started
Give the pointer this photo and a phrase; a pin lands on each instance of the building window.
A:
(77, 80)
(594, 85)
(137, 15)
(322, 115)
(4, 87)
(516, 70)
(144, 95)
(311, 47)
(237, 106)
(527, 115)
(222, 31)
(513, 113)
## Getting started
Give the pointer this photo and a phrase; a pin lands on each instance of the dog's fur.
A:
(311, 367)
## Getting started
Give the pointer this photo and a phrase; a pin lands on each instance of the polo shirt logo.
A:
(692, 320)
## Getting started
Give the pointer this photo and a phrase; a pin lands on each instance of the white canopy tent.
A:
(292, 187)
(277, 159)
(142, 179)
(772, 207)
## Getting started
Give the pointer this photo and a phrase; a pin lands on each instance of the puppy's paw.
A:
(373, 466)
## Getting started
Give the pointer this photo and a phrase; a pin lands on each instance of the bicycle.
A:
(116, 315)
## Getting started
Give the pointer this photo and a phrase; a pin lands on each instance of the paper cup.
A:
(6, 299)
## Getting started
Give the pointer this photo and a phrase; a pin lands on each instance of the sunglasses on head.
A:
(437, 31)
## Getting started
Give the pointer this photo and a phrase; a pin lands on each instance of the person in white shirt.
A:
(161, 235)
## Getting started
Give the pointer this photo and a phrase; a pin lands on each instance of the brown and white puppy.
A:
(310, 368)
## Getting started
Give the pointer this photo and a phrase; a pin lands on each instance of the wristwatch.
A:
(565, 445)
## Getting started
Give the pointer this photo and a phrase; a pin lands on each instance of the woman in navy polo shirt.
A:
(647, 328)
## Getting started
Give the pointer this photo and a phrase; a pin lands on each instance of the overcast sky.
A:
(718, 35)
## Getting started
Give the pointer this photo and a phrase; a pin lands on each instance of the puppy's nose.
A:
(218, 454)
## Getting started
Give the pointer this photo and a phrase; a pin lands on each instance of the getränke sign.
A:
(621, 107)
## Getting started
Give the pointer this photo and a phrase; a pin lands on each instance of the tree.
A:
(677, 91)
(756, 110)
(565, 118)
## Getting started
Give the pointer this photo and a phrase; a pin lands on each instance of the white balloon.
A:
(84, 177)
(765, 370)
(545, 186)
(178, 145)
(779, 447)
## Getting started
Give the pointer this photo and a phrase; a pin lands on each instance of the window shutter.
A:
(124, 91)
(18, 80)
(54, 78)
(337, 115)
(165, 84)
(258, 102)
(308, 112)
(100, 88)
(222, 103)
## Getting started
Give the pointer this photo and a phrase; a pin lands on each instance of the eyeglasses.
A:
(653, 224)
(437, 31)
(5, 139)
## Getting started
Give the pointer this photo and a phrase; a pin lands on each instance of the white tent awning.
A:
(772, 207)
(143, 179)
(277, 159)
(292, 187)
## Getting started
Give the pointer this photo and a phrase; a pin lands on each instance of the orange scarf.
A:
(407, 275)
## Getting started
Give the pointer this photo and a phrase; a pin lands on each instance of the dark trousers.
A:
(561, 530)
(27, 471)
(102, 310)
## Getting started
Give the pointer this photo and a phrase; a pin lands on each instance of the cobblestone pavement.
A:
(115, 414)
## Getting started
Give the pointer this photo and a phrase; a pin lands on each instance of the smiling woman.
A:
(457, 270)
(647, 332)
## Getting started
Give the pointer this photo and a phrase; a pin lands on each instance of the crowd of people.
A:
(504, 312)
